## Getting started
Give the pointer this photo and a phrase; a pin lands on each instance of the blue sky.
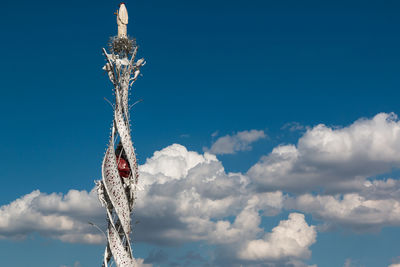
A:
(251, 78)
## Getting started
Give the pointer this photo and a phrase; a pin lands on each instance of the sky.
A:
(268, 134)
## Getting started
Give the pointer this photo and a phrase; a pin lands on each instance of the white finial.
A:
(122, 20)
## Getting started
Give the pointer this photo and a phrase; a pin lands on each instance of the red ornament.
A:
(123, 168)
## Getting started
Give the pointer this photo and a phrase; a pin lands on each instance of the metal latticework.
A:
(117, 189)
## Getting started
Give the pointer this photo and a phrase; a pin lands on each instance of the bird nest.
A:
(122, 46)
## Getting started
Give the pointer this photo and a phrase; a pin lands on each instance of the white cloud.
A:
(291, 238)
(54, 215)
(334, 159)
(241, 141)
(189, 196)
(189, 201)
(350, 210)
(394, 265)
(172, 162)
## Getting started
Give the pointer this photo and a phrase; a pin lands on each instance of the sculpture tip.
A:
(122, 20)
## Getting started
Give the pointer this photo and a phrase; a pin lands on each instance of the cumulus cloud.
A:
(177, 205)
(241, 141)
(291, 238)
(54, 215)
(351, 210)
(172, 162)
(185, 197)
(189, 197)
(332, 159)
(376, 206)
(394, 265)
(201, 202)
(329, 171)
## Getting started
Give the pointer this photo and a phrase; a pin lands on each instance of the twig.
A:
(109, 102)
(131, 106)
(98, 228)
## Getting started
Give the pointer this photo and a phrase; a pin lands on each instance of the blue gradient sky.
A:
(223, 66)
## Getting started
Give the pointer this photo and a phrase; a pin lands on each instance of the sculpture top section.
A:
(122, 20)
(121, 44)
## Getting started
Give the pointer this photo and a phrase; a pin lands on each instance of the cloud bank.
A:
(333, 160)
(189, 197)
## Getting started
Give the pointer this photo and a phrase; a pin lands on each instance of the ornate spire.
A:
(117, 189)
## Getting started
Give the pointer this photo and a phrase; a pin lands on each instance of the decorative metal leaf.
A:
(115, 189)
(121, 256)
(124, 133)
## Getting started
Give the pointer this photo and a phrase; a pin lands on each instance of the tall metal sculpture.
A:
(117, 189)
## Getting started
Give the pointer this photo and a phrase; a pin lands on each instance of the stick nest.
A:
(122, 46)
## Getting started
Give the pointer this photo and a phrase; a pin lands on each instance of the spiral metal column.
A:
(116, 191)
